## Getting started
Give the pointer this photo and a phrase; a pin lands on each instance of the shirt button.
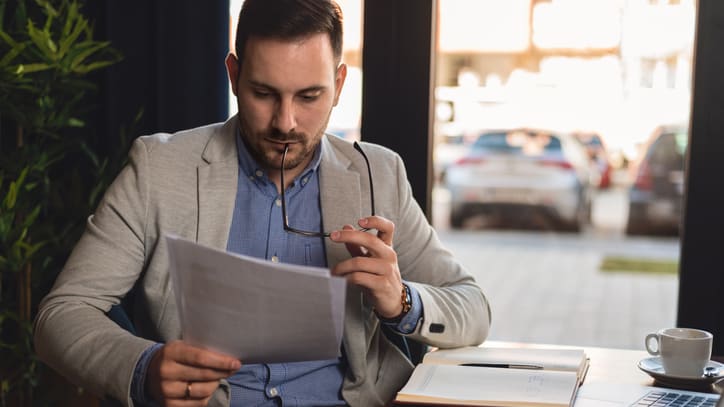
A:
(304, 181)
(259, 173)
(275, 259)
(278, 202)
(406, 327)
(273, 392)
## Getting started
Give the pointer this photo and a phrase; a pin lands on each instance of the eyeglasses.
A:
(321, 234)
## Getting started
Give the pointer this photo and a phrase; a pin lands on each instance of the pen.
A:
(504, 365)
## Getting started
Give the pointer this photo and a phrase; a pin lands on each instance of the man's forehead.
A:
(320, 42)
(289, 64)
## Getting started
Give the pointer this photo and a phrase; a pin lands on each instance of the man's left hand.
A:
(373, 265)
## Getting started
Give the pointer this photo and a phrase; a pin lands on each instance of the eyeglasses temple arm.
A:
(284, 204)
(369, 175)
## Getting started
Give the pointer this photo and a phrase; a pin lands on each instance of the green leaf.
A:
(83, 69)
(12, 195)
(49, 10)
(12, 54)
(72, 14)
(75, 122)
(84, 50)
(30, 68)
(8, 39)
(67, 41)
(43, 42)
(30, 219)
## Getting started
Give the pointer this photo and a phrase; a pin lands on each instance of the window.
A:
(570, 253)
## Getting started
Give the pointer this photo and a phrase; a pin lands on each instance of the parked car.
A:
(598, 155)
(446, 152)
(655, 196)
(520, 171)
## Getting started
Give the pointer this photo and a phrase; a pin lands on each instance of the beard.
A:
(271, 157)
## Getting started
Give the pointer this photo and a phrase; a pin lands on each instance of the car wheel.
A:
(637, 228)
(636, 224)
(583, 217)
(574, 226)
(456, 219)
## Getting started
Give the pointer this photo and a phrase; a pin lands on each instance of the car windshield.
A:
(517, 142)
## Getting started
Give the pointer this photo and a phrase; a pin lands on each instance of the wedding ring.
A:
(188, 390)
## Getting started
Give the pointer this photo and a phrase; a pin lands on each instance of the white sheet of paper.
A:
(256, 310)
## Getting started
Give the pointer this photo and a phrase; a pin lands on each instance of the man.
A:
(221, 185)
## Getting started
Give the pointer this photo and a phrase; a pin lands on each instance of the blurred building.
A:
(619, 67)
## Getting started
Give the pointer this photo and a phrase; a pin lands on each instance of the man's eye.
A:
(310, 97)
(262, 93)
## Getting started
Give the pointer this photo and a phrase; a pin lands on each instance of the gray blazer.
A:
(185, 184)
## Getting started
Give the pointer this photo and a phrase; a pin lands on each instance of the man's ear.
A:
(339, 81)
(232, 69)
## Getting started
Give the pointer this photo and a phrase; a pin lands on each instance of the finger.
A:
(383, 289)
(187, 402)
(364, 241)
(191, 355)
(370, 281)
(353, 249)
(199, 390)
(180, 371)
(188, 393)
(366, 265)
(385, 228)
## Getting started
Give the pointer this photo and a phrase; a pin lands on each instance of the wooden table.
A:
(607, 365)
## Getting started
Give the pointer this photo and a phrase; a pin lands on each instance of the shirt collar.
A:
(251, 168)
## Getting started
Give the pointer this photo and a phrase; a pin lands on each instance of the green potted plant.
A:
(50, 176)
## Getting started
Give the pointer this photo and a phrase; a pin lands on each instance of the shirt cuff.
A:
(138, 384)
(408, 323)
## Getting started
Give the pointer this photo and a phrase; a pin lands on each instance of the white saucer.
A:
(652, 366)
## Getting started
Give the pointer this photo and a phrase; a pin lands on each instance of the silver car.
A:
(521, 174)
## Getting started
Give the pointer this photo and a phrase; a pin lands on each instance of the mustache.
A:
(283, 137)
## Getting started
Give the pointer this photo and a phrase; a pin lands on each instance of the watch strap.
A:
(406, 301)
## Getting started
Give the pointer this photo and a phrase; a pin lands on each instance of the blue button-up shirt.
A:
(256, 230)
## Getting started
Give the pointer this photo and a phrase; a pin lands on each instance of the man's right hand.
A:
(183, 375)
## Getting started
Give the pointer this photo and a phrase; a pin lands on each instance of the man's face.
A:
(285, 92)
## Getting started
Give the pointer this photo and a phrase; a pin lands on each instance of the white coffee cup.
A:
(684, 352)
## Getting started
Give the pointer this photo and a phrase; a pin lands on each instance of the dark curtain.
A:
(172, 67)
(701, 279)
(398, 64)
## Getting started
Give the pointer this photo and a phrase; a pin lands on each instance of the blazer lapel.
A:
(341, 204)
(339, 186)
(217, 184)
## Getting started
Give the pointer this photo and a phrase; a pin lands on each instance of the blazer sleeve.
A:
(72, 333)
(455, 310)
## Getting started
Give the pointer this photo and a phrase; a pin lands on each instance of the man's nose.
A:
(284, 119)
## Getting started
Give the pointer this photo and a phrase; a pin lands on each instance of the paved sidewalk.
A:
(547, 288)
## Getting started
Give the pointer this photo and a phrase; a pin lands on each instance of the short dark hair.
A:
(288, 20)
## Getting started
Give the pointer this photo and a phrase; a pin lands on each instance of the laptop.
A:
(624, 395)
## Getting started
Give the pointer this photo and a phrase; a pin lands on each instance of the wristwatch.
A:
(406, 300)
